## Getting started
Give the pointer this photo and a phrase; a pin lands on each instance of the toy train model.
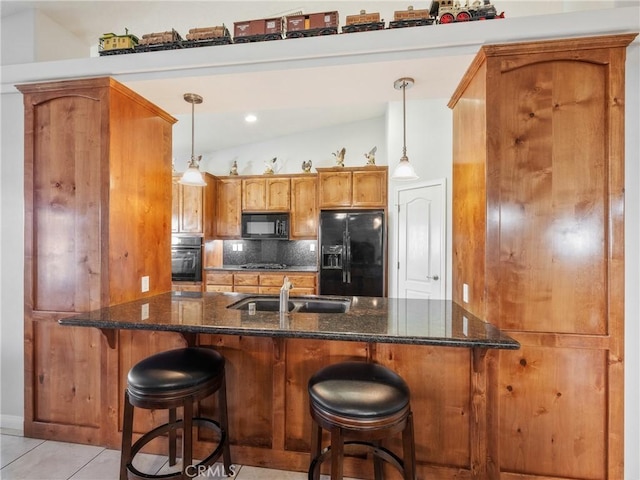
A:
(296, 26)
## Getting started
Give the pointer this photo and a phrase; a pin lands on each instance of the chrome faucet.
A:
(284, 295)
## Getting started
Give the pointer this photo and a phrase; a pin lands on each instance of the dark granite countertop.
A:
(239, 268)
(369, 319)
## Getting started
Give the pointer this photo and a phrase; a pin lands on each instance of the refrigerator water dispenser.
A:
(332, 256)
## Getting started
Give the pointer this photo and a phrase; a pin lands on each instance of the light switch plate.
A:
(144, 284)
(465, 293)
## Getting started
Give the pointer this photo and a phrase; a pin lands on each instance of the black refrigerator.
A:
(352, 253)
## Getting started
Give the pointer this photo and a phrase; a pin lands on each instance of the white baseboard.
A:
(12, 422)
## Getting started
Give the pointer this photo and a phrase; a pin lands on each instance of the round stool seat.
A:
(175, 380)
(361, 404)
(177, 372)
(359, 390)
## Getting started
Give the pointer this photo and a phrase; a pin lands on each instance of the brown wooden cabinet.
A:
(357, 187)
(304, 207)
(97, 206)
(270, 194)
(260, 282)
(219, 281)
(193, 207)
(228, 207)
(538, 189)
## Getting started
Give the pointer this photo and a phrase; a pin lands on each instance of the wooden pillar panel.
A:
(64, 394)
(439, 400)
(552, 198)
(249, 373)
(66, 179)
(304, 358)
(553, 412)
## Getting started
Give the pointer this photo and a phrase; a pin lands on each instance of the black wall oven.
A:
(186, 259)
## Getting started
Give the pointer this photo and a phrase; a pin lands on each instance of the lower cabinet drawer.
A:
(246, 279)
(246, 289)
(270, 290)
(219, 288)
(303, 291)
(303, 281)
(219, 278)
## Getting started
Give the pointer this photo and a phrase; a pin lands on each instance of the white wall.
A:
(30, 36)
(20, 25)
(632, 264)
(317, 146)
(430, 151)
(11, 261)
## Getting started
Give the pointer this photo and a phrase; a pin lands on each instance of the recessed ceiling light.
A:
(250, 118)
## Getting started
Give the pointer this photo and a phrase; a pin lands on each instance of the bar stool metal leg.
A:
(172, 437)
(127, 433)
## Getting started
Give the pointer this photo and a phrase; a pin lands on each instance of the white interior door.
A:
(421, 241)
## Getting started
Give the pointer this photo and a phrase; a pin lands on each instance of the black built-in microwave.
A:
(265, 226)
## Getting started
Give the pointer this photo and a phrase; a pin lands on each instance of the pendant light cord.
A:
(404, 121)
(193, 106)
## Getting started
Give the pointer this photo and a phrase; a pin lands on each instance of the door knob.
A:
(435, 277)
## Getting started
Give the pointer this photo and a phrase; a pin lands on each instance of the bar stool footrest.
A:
(377, 450)
(134, 473)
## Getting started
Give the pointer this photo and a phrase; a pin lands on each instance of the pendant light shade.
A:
(192, 176)
(404, 170)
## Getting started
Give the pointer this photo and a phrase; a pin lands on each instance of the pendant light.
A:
(404, 170)
(192, 176)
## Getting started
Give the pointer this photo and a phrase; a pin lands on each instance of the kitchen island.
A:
(438, 347)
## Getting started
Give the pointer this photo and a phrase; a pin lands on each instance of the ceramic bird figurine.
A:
(371, 156)
(272, 166)
(234, 168)
(306, 166)
(340, 157)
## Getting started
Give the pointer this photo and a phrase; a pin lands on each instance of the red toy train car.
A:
(258, 30)
(312, 24)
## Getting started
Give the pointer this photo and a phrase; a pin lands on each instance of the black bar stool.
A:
(168, 380)
(365, 403)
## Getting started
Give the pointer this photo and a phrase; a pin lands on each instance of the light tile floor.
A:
(32, 459)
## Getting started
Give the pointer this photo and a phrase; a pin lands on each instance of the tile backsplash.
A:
(289, 252)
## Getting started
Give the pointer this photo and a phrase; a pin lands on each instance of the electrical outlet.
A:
(239, 247)
(465, 293)
(144, 312)
(312, 247)
(234, 247)
(144, 284)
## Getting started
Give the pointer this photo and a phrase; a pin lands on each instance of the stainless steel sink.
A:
(296, 304)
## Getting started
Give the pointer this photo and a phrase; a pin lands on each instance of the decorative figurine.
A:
(371, 156)
(272, 166)
(234, 168)
(306, 166)
(340, 157)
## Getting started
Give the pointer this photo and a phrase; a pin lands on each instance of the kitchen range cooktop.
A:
(264, 266)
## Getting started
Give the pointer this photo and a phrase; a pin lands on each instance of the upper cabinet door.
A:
(304, 210)
(191, 211)
(335, 188)
(254, 195)
(369, 188)
(266, 194)
(278, 194)
(228, 208)
(352, 187)
(192, 207)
